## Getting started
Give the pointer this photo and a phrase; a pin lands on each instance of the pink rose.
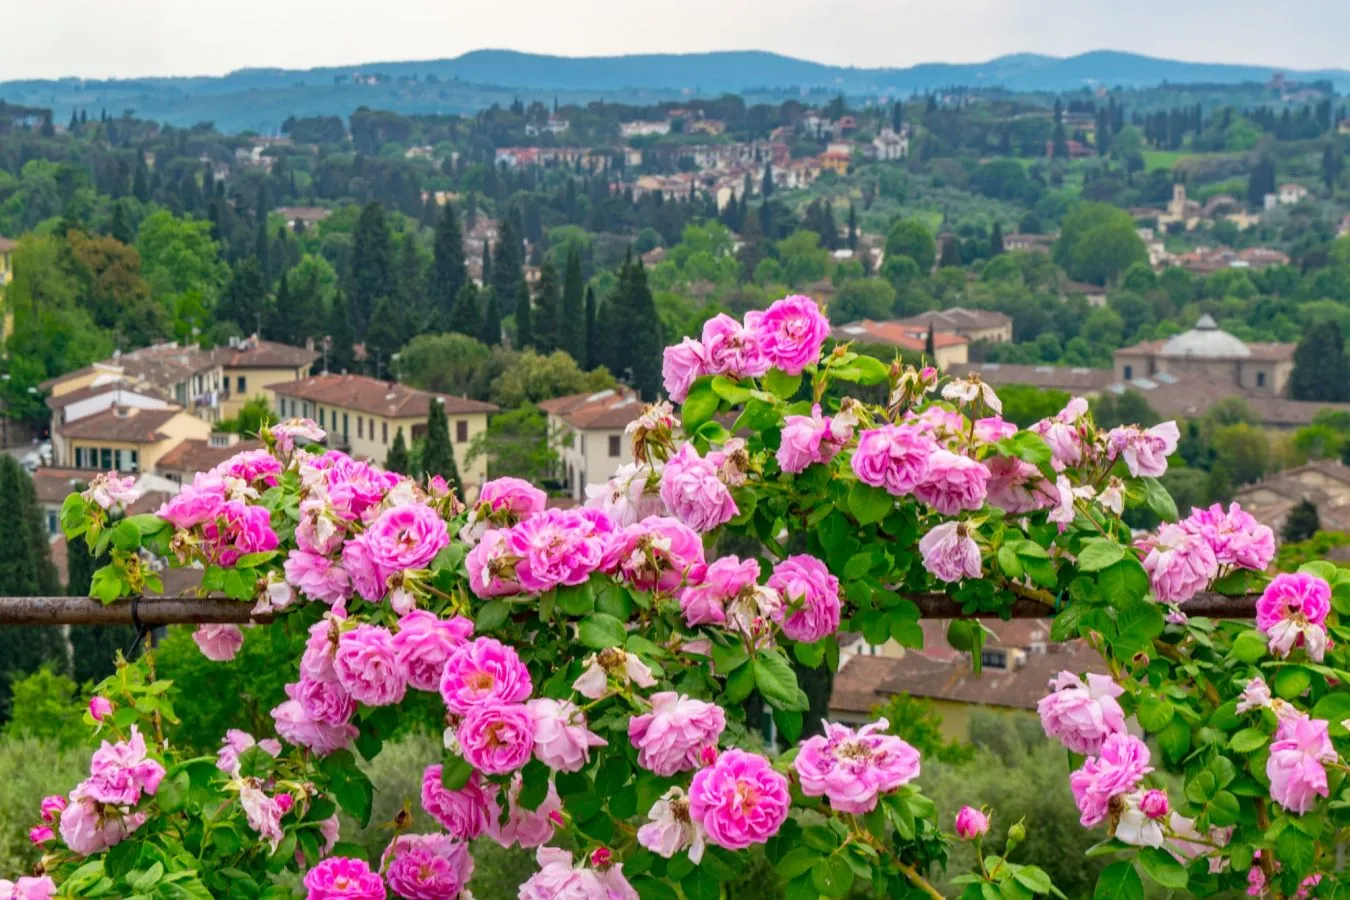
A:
(557, 879)
(1179, 564)
(657, 554)
(38, 834)
(1145, 451)
(119, 773)
(482, 671)
(424, 643)
(1154, 804)
(1121, 763)
(1292, 612)
(561, 739)
(894, 457)
(1016, 486)
(235, 743)
(497, 737)
(971, 824)
(811, 439)
(526, 827)
(953, 483)
(405, 537)
(88, 828)
(693, 492)
(341, 878)
(1296, 767)
(219, 643)
(238, 529)
(790, 332)
(492, 565)
(463, 812)
(950, 553)
(325, 702)
(427, 866)
(195, 503)
(630, 496)
(298, 728)
(1236, 538)
(555, 547)
(51, 807)
(286, 433)
(993, 429)
(28, 888)
(670, 829)
(671, 738)
(705, 603)
(732, 349)
(257, 468)
(513, 495)
(108, 490)
(367, 666)
(810, 595)
(739, 800)
(1082, 716)
(317, 577)
(681, 365)
(854, 768)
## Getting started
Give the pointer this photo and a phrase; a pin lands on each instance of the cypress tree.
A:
(262, 250)
(929, 346)
(852, 227)
(547, 318)
(508, 260)
(119, 228)
(383, 338)
(1320, 371)
(341, 357)
(93, 647)
(306, 308)
(397, 460)
(464, 315)
(449, 274)
(372, 275)
(524, 318)
(572, 328)
(1303, 522)
(412, 289)
(487, 264)
(140, 185)
(592, 351)
(643, 340)
(951, 252)
(996, 239)
(438, 454)
(491, 332)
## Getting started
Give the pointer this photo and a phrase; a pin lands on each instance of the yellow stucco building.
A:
(250, 366)
(129, 438)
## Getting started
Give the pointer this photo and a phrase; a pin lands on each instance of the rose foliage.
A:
(599, 666)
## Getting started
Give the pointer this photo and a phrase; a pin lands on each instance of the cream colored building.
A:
(362, 416)
(188, 376)
(249, 366)
(129, 438)
(1207, 350)
(948, 349)
(587, 433)
(1325, 483)
(972, 324)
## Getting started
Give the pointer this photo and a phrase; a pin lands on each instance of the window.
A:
(1260, 379)
(1129, 373)
(994, 659)
(241, 384)
(320, 416)
(105, 458)
(51, 522)
(461, 430)
(370, 425)
(344, 426)
(135, 460)
(79, 457)
(384, 432)
(613, 445)
(360, 427)
(117, 460)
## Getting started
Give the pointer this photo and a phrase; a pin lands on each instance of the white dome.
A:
(1205, 340)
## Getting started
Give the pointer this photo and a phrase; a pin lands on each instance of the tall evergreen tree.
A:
(306, 310)
(572, 328)
(929, 346)
(383, 338)
(766, 185)
(397, 460)
(508, 261)
(245, 298)
(1303, 522)
(412, 288)
(140, 185)
(262, 251)
(951, 251)
(642, 340)
(372, 274)
(438, 454)
(341, 338)
(524, 318)
(590, 362)
(996, 239)
(465, 316)
(449, 273)
(752, 246)
(852, 227)
(547, 310)
(1321, 371)
(491, 332)
(119, 228)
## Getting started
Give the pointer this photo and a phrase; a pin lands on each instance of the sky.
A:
(129, 38)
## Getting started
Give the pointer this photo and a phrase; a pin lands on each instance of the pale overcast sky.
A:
(126, 38)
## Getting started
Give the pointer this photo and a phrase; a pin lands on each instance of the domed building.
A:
(1208, 350)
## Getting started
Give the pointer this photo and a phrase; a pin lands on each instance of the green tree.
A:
(252, 416)
(546, 323)
(372, 276)
(438, 454)
(449, 273)
(1244, 450)
(491, 332)
(572, 327)
(641, 338)
(516, 444)
(590, 361)
(1302, 523)
(862, 298)
(524, 318)
(1097, 242)
(447, 363)
(532, 377)
(465, 316)
(245, 299)
(397, 460)
(341, 337)
(383, 337)
(1321, 371)
(909, 237)
(996, 239)
(918, 721)
(1128, 408)
(507, 260)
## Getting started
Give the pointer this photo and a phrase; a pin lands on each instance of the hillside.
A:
(261, 99)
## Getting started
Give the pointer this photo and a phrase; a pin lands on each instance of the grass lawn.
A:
(1168, 159)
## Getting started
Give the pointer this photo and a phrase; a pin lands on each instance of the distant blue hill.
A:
(261, 99)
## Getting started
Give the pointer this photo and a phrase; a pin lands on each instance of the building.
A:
(7, 248)
(302, 217)
(949, 349)
(587, 433)
(1180, 211)
(1325, 483)
(888, 145)
(201, 454)
(1076, 380)
(72, 405)
(1094, 294)
(1189, 395)
(1028, 243)
(1291, 193)
(1207, 350)
(249, 365)
(362, 415)
(128, 438)
(972, 324)
(189, 376)
(644, 129)
(837, 157)
(52, 486)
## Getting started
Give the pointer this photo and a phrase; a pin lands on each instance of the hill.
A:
(261, 99)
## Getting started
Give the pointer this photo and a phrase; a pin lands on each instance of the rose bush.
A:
(595, 664)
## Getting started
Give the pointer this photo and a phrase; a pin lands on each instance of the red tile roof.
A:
(607, 410)
(370, 395)
(197, 455)
(259, 354)
(6, 245)
(53, 485)
(123, 424)
(896, 333)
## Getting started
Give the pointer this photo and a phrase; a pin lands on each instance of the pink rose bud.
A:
(971, 823)
(708, 754)
(1154, 804)
(99, 707)
(52, 806)
(284, 802)
(601, 857)
(41, 834)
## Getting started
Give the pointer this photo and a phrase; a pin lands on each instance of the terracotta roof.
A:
(1075, 379)
(119, 385)
(164, 364)
(303, 213)
(1289, 488)
(259, 354)
(121, 423)
(53, 485)
(6, 245)
(370, 395)
(895, 333)
(197, 455)
(1255, 351)
(608, 410)
(957, 318)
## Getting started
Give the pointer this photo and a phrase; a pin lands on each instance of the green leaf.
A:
(810, 655)
(1249, 646)
(729, 390)
(1335, 708)
(1159, 500)
(491, 616)
(1119, 881)
(1008, 563)
(600, 631)
(870, 370)
(649, 888)
(700, 405)
(781, 384)
(1295, 851)
(739, 685)
(1124, 582)
(576, 600)
(776, 681)
(253, 560)
(1154, 713)
(1163, 868)
(1249, 739)
(455, 771)
(1292, 681)
(356, 795)
(869, 504)
(789, 723)
(701, 884)
(1034, 879)
(796, 862)
(1223, 810)
(832, 876)
(1137, 625)
(1099, 554)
